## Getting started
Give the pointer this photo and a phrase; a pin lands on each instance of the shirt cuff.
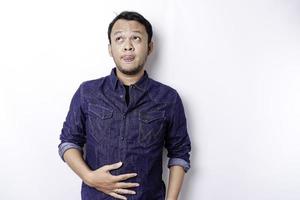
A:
(178, 161)
(63, 147)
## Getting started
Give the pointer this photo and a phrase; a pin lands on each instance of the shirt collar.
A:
(140, 84)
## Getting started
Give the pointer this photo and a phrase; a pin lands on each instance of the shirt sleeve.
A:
(179, 162)
(177, 141)
(63, 147)
(73, 131)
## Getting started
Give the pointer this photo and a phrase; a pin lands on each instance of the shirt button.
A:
(121, 96)
(124, 115)
(122, 138)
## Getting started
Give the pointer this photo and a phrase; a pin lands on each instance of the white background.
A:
(235, 63)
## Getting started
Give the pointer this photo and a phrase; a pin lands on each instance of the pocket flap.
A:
(100, 111)
(148, 117)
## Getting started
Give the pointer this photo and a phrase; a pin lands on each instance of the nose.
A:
(128, 46)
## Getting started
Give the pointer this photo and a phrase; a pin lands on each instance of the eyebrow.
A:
(118, 32)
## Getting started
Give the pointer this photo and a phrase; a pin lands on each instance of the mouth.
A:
(128, 58)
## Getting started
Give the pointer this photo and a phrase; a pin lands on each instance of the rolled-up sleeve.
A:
(73, 131)
(177, 141)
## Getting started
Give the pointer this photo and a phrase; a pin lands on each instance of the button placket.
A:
(122, 140)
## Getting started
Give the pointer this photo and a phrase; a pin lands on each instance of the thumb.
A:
(114, 166)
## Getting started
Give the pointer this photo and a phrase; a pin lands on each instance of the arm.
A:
(73, 157)
(176, 176)
(178, 145)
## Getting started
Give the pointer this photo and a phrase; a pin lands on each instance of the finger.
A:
(112, 166)
(113, 194)
(124, 177)
(124, 191)
(126, 185)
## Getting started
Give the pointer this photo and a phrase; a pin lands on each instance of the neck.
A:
(129, 79)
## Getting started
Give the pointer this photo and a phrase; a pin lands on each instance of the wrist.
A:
(88, 178)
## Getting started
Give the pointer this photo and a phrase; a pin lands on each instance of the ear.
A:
(109, 50)
(150, 48)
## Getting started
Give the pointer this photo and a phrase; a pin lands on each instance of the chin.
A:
(130, 70)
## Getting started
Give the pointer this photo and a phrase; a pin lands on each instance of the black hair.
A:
(129, 15)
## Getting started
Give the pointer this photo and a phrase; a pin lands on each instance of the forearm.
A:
(73, 157)
(176, 177)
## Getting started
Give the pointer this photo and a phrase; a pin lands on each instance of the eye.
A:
(118, 39)
(136, 38)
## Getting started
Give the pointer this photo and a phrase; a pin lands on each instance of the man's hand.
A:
(104, 181)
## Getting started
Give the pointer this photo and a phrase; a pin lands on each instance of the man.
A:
(123, 121)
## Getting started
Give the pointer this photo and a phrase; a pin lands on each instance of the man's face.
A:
(129, 46)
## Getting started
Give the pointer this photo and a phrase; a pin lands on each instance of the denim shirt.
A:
(111, 131)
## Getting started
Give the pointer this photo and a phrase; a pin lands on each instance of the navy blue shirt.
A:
(110, 130)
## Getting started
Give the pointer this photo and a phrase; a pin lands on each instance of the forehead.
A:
(122, 25)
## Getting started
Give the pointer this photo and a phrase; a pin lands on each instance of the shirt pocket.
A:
(100, 120)
(151, 125)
